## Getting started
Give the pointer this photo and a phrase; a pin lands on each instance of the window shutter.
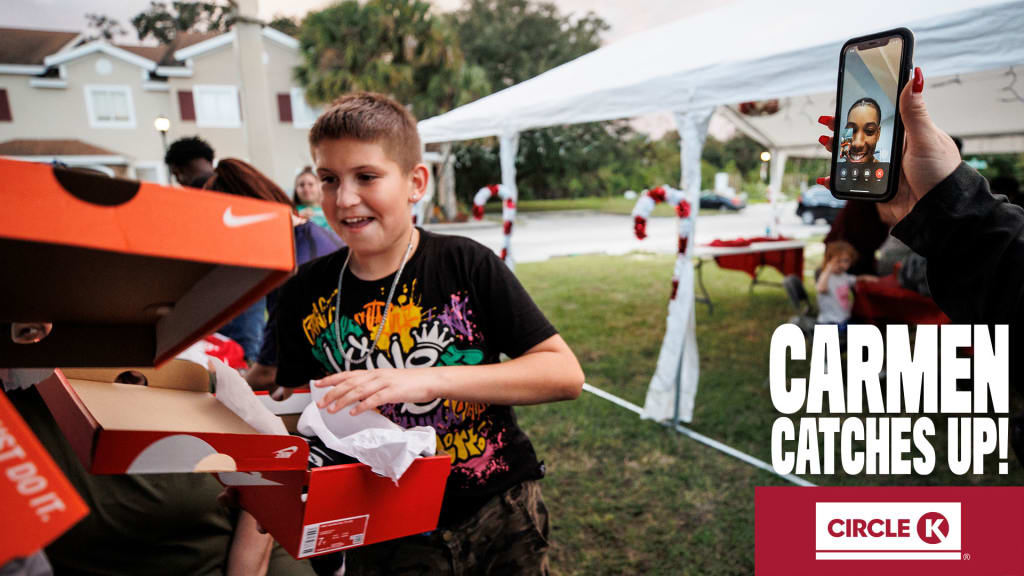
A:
(187, 106)
(5, 107)
(284, 107)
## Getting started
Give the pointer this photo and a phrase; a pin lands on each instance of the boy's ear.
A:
(420, 177)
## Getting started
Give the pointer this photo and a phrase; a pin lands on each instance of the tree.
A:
(397, 47)
(163, 22)
(286, 25)
(515, 40)
(103, 26)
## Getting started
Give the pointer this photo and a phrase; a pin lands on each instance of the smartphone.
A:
(868, 136)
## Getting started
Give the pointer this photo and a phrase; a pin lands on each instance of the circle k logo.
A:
(932, 528)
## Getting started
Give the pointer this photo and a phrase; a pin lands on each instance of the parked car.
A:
(714, 201)
(818, 203)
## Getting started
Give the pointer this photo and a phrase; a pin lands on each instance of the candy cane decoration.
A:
(673, 388)
(508, 211)
(642, 211)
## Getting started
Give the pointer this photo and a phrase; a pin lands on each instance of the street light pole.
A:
(162, 125)
(766, 157)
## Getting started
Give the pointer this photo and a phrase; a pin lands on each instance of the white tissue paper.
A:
(384, 446)
(234, 392)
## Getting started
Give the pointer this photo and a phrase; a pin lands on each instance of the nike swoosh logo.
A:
(232, 221)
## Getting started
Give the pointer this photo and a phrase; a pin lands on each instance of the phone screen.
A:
(866, 125)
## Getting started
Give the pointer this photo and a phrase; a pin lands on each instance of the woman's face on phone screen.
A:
(864, 121)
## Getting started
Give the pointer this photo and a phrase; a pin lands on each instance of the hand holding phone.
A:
(868, 128)
(929, 155)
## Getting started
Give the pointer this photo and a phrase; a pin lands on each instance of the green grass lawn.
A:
(629, 496)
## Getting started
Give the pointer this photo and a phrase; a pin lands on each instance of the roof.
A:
(24, 51)
(26, 147)
(154, 53)
(163, 55)
(29, 47)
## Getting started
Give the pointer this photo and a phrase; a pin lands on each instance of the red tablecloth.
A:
(788, 261)
(886, 302)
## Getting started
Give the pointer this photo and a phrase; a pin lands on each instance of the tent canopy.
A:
(755, 50)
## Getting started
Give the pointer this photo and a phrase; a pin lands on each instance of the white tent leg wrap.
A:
(673, 387)
(507, 155)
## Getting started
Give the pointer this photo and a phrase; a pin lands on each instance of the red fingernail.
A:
(824, 120)
(821, 181)
(918, 85)
(824, 140)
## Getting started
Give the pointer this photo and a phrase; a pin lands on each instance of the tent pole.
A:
(777, 169)
(509, 147)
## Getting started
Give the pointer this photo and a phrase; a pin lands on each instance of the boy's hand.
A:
(371, 388)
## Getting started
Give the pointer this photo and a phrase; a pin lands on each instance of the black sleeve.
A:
(514, 321)
(974, 244)
(293, 357)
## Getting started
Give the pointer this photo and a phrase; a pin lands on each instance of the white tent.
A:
(756, 50)
(753, 50)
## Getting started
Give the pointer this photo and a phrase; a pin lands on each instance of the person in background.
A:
(835, 284)
(307, 197)
(859, 224)
(240, 178)
(190, 161)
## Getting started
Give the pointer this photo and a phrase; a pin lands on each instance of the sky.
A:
(625, 16)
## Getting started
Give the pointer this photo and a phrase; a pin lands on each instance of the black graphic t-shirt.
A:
(457, 304)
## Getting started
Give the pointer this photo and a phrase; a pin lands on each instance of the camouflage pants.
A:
(508, 535)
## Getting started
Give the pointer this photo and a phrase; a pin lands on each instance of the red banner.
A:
(889, 530)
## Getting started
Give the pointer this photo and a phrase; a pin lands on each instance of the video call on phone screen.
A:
(866, 124)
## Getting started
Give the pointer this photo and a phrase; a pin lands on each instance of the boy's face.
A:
(366, 195)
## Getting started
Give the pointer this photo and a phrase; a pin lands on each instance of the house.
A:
(93, 103)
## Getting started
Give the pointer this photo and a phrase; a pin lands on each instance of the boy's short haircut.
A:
(840, 247)
(184, 150)
(371, 117)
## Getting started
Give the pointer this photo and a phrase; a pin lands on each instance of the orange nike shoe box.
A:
(173, 424)
(38, 502)
(127, 273)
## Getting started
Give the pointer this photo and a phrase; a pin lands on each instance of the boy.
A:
(400, 297)
(835, 284)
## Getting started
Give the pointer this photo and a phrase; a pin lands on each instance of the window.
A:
(217, 106)
(5, 107)
(303, 115)
(187, 106)
(109, 106)
(284, 108)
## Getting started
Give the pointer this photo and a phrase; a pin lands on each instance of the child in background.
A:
(835, 284)
(400, 297)
(307, 197)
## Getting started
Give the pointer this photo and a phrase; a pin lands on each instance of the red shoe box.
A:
(346, 506)
(175, 425)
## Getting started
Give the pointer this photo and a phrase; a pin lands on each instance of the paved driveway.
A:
(542, 235)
